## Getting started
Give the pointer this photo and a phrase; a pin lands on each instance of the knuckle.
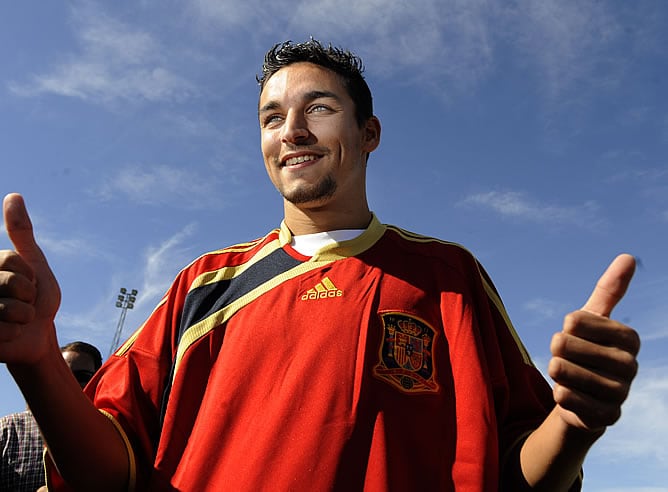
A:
(628, 361)
(570, 320)
(556, 368)
(558, 343)
(618, 391)
(574, 319)
(16, 312)
(634, 368)
(633, 340)
(560, 395)
(611, 415)
(16, 286)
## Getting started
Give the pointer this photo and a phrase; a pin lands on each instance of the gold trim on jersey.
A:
(132, 466)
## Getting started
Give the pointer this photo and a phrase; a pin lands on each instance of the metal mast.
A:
(125, 300)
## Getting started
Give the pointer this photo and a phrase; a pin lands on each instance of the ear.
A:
(371, 134)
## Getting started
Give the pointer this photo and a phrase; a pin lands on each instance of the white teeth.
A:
(298, 160)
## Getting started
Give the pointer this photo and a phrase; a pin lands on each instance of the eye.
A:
(272, 119)
(319, 108)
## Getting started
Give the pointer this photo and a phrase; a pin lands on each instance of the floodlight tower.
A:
(125, 300)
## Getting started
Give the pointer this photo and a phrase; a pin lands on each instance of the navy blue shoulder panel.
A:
(203, 301)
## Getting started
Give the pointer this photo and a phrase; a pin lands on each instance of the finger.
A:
(12, 265)
(602, 331)
(13, 311)
(9, 331)
(611, 287)
(19, 229)
(608, 360)
(585, 411)
(17, 286)
(601, 387)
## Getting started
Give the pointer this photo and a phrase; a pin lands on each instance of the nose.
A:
(295, 128)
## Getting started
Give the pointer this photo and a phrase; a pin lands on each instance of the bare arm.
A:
(87, 449)
(593, 365)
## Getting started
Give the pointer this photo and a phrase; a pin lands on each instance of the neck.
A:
(321, 219)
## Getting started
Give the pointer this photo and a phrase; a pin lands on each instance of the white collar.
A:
(308, 244)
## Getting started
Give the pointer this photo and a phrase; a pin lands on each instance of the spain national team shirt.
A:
(382, 363)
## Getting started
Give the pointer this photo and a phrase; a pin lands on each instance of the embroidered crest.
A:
(406, 355)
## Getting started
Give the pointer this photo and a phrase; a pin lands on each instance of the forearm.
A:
(551, 457)
(84, 444)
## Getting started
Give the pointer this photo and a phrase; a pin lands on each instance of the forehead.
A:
(298, 79)
(78, 360)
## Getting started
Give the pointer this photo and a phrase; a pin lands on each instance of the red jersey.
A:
(382, 363)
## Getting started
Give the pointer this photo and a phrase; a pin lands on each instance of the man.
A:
(335, 353)
(22, 465)
(83, 359)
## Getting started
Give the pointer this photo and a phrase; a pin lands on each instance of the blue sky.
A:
(533, 132)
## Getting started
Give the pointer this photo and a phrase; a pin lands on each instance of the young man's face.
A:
(313, 148)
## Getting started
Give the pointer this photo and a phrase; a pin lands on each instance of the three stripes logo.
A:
(323, 290)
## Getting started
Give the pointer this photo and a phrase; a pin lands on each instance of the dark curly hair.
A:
(347, 65)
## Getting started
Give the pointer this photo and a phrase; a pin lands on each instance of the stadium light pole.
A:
(125, 300)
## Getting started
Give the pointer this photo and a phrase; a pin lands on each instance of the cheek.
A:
(270, 147)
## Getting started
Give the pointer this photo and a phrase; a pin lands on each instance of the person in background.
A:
(83, 359)
(21, 462)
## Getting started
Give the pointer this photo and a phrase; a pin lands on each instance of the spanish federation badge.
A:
(406, 353)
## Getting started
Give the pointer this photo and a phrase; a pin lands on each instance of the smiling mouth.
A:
(293, 161)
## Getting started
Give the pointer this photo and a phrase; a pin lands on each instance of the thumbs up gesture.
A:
(29, 293)
(594, 357)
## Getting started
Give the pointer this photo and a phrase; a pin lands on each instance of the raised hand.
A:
(29, 293)
(594, 357)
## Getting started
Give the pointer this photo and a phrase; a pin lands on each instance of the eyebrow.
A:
(309, 96)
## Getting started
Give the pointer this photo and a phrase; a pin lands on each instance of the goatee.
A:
(321, 190)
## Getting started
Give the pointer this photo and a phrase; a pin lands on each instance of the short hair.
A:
(344, 63)
(84, 348)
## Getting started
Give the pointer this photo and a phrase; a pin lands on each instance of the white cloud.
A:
(437, 43)
(518, 205)
(654, 323)
(163, 185)
(116, 62)
(230, 13)
(444, 42)
(642, 432)
(635, 489)
(54, 244)
(70, 246)
(423, 39)
(544, 309)
(183, 125)
(567, 41)
(162, 263)
(648, 293)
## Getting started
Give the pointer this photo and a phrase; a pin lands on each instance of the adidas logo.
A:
(322, 290)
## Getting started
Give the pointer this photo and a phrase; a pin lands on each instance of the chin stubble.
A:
(323, 189)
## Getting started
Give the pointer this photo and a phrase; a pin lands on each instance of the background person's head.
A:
(83, 359)
(344, 63)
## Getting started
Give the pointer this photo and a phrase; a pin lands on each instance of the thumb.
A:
(19, 229)
(612, 286)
